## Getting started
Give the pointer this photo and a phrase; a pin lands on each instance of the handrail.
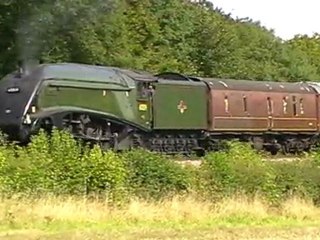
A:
(173, 76)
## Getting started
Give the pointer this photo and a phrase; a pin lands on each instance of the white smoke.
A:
(51, 19)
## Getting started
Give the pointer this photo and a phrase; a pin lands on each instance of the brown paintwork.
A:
(257, 117)
(318, 110)
(258, 86)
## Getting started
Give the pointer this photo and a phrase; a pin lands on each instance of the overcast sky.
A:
(286, 17)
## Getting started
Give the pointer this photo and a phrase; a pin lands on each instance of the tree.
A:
(306, 56)
(191, 37)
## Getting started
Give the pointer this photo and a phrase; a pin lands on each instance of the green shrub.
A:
(65, 169)
(5, 169)
(298, 179)
(154, 176)
(60, 165)
(240, 169)
(105, 172)
(3, 139)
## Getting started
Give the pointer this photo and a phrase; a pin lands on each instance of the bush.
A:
(240, 169)
(298, 178)
(154, 176)
(105, 173)
(60, 165)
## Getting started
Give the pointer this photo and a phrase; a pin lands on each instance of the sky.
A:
(286, 17)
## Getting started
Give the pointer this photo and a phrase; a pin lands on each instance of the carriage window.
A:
(245, 107)
(226, 104)
(269, 102)
(301, 106)
(294, 104)
(285, 104)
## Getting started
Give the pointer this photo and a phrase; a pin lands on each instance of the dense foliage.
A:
(155, 35)
(59, 165)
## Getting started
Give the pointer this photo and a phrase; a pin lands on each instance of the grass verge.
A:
(178, 217)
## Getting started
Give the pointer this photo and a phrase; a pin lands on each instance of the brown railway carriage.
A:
(250, 106)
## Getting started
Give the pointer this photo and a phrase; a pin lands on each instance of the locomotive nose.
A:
(13, 99)
(9, 113)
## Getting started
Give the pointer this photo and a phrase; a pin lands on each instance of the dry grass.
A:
(242, 206)
(194, 217)
(79, 210)
(173, 210)
(300, 209)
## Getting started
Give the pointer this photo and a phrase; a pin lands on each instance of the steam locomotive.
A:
(169, 112)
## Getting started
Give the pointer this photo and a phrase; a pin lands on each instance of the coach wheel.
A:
(274, 151)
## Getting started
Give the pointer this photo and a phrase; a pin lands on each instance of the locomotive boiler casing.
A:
(110, 99)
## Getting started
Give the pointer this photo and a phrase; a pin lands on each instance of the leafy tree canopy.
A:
(154, 35)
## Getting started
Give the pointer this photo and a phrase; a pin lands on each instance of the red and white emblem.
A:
(182, 106)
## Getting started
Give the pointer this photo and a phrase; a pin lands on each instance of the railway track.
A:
(280, 158)
(284, 159)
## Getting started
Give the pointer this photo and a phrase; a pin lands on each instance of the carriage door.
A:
(144, 103)
(270, 113)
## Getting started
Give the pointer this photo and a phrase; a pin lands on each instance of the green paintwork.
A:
(107, 90)
(121, 94)
(167, 98)
(112, 99)
(144, 102)
(86, 74)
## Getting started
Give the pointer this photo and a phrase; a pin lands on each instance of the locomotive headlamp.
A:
(27, 119)
(33, 109)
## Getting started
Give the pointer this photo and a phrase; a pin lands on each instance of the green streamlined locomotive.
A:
(171, 113)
